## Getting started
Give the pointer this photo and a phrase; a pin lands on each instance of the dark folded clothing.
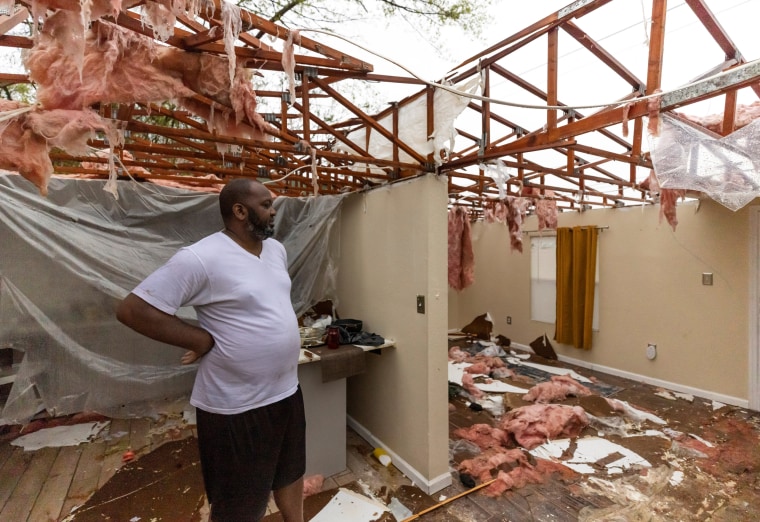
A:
(360, 338)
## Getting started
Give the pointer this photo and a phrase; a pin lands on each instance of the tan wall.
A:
(393, 248)
(650, 292)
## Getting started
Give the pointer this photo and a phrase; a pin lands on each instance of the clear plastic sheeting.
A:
(727, 169)
(306, 226)
(67, 259)
(412, 127)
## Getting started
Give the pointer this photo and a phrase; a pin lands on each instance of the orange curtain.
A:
(576, 274)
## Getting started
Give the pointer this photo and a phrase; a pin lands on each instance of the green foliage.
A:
(20, 92)
(427, 14)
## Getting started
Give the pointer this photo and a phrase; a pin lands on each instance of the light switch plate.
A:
(707, 278)
(420, 304)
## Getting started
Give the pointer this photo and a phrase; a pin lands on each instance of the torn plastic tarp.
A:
(68, 258)
(307, 228)
(727, 169)
(412, 127)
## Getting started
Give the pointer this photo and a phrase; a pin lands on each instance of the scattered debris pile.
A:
(583, 433)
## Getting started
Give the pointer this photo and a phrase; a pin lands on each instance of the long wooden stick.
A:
(462, 494)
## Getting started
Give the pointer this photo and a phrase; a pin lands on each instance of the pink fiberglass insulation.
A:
(312, 485)
(653, 106)
(456, 227)
(745, 114)
(26, 139)
(516, 478)
(160, 18)
(510, 467)
(289, 62)
(668, 202)
(118, 66)
(524, 474)
(457, 354)
(546, 207)
(483, 435)
(121, 66)
(468, 257)
(468, 383)
(484, 363)
(495, 212)
(533, 425)
(546, 211)
(668, 199)
(516, 210)
(557, 389)
(461, 257)
(124, 155)
(479, 368)
(95, 8)
(482, 466)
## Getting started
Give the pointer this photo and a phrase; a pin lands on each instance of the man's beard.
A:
(258, 228)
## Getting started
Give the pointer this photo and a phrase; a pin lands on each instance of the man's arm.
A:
(148, 320)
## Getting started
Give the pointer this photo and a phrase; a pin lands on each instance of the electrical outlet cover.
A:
(651, 351)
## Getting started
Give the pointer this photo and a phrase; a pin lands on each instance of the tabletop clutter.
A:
(325, 330)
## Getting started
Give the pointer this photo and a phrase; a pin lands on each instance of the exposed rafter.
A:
(585, 156)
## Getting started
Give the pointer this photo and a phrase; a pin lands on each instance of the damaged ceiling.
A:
(170, 93)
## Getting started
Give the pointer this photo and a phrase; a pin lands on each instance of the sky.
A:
(621, 26)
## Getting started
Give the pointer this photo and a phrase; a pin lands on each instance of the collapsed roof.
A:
(164, 91)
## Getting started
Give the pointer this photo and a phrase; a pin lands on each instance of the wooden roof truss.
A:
(575, 153)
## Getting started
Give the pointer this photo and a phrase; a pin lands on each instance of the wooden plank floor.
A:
(50, 483)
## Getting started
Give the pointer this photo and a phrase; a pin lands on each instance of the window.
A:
(543, 281)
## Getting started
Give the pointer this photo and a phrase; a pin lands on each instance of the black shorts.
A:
(247, 455)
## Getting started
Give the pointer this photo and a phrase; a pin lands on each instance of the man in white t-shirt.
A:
(251, 424)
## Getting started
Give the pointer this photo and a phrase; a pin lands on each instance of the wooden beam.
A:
(253, 22)
(493, 154)
(485, 114)
(577, 9)
(711, 23)
(656, 45)
(214, 34)
(597, 50)
(551, 78)
(10, 78)
(20, 42)
(544, 96)
(729, 113)
(9, 22)
(732, 80)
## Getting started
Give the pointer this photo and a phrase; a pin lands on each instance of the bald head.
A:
(236, 191)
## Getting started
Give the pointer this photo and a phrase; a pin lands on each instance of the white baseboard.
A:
(705, 394)
(429, 486)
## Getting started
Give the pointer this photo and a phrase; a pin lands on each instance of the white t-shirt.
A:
(244, 303)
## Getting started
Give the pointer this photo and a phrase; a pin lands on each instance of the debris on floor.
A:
(165, 484)
(605, 447)
(348, 506)
(58, 436)
(640, 453)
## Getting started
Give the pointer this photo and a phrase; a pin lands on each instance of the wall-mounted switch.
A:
(420, 304)
(707, 278)
(509, 319)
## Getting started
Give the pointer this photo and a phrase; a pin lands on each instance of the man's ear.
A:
(238, 210)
